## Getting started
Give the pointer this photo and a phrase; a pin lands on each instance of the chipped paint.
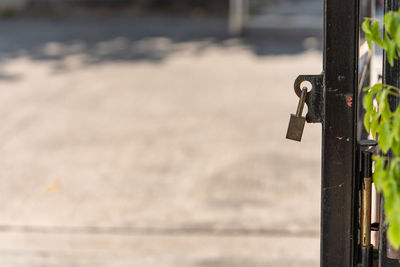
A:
(339, 137)
(349, 100)
(341, 78)
(333, 187)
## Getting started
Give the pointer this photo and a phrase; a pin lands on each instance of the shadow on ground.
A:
(126, 38)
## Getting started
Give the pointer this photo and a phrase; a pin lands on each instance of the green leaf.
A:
(388, 21)
(380, 99)
(394, 222)
(367, 121)
(396, 37)
(376, 34)
(368, 101)
(377, 87)
(394, 233)
(374, 123)
(396, 131)
(383, 105)
(366, 89)
(394, 168)
(366, 27)
(396, 124)
(384, 123)
(394, 28)
(379, 173)
(368, 36)
(396, 113)
(385, 139)
(386, 114)
(386, 42)
(389, 200)
(390, 47)
(396, 148)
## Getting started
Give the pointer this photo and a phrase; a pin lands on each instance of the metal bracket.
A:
(315, 97)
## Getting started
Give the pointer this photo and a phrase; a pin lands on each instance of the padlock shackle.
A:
(302, 101)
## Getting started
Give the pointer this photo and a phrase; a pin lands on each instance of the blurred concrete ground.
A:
(154, 141)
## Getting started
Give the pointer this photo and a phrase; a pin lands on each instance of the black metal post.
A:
(339, 194)
(366, 196)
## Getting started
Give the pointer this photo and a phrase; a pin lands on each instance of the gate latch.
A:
(313, 97)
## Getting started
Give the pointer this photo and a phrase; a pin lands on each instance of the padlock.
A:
(297, 121)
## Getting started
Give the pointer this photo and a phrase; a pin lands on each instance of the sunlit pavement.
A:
(154, 142)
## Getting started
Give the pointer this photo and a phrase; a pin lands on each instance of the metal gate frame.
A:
(339, 133)
(340, 116)
(334, 101)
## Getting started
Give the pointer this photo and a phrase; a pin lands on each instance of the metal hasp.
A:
(314, 101)
(314, 98)
(339, 196)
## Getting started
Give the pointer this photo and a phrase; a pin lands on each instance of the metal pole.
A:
(339, 144)
(237, 16)
(366, 205)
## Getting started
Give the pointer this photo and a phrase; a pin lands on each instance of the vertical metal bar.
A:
(366, 177)
(339, 195)
(236, 16)
(391, 75)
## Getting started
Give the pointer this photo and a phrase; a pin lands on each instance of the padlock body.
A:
(296, 127)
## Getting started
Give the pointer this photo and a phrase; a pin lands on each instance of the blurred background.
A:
(151, 133)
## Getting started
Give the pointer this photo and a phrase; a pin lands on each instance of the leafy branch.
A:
(384, 123)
